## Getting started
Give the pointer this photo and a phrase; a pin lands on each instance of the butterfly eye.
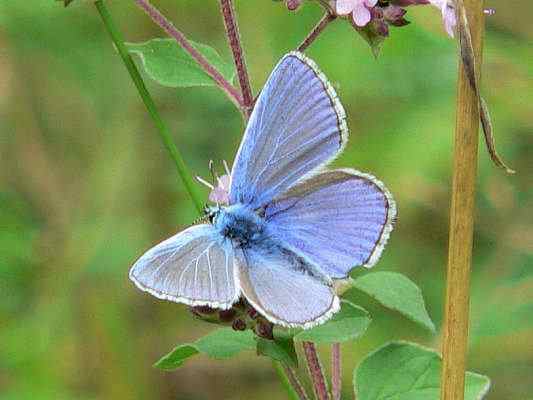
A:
(211, 213)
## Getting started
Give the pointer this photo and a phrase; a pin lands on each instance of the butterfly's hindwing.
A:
(338, 219)
(283, 287)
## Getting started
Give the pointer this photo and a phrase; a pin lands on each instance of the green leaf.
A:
(169, 65)
(280, 349)
(225, 343)
(349, 323)
(219, 344)
(176, 357)
(397, 292)
(406, 371)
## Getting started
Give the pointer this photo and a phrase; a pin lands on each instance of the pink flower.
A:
(447, 9)
(293, 5)
(360, 10)
(220, 194)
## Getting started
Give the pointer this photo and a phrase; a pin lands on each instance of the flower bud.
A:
(381, 27)
(252, 313)
(293, 5)
(376, 13)
(216, 316)
(239, 325)
(394, 15)
(227, 315)
(264, 329)
(205, 313)
(240, 316)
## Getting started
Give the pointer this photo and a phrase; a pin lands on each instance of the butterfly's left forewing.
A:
(297, 125)
(195, 267)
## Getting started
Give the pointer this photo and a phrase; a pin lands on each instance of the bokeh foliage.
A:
(86, 187)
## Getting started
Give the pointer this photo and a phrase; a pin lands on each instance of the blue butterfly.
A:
(291, 228)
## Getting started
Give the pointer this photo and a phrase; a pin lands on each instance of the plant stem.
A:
(336, 373)
(462, 218)
(171, 30)
(234, 39)
(316, 31)
(315, 371)
(290, 381)
(162, 129)
(295, 382)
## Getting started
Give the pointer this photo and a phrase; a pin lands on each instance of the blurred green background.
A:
(86, 186)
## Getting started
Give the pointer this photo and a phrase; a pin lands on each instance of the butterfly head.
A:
(211, 213)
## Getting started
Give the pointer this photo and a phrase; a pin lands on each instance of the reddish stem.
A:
(316, 31)
(336, 377)
(295, 383)
(315, 371)
(170, 29)
(234, 39)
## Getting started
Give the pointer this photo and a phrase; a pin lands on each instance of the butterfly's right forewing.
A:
(297, 125)
(194, 267)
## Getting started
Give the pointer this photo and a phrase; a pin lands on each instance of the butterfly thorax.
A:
(240, 224)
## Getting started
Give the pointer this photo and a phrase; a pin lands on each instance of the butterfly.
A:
(291, 228)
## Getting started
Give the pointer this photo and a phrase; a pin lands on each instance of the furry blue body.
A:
(241, 224)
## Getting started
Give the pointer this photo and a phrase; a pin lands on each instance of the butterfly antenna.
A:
(214, 176)
(204, 182)
(226, 168)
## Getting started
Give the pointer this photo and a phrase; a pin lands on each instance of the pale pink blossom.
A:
(293, 5)
(449, 18)
(359, 9)
(220, 193)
